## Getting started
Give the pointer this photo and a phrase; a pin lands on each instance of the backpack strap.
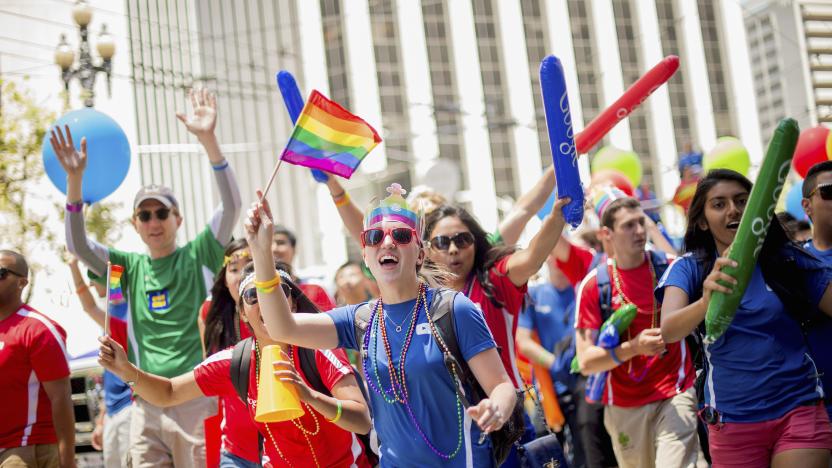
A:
(309, 368)
(241, 367)
(602, 280)
(660, 264)
(361, 323)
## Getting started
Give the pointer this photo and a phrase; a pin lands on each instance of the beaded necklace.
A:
(305, 432)
(625, 300)
(398, 382)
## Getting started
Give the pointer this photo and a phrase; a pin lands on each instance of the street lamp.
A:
(86, 70)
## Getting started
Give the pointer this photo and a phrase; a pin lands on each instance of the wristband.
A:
(337, 414)
(343, 200)
(75, 207)
(220, 166)
(267, 286)
(614, 357)
(335, 197)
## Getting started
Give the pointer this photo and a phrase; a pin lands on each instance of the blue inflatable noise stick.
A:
(562, 138)
(294, 105)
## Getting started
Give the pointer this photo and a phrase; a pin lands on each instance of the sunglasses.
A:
(460, 240)
(161, 214)
(375, 236)
(4, 272)
(250, 295)
(825, 191)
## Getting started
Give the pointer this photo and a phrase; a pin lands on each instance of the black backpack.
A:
(241, 367)
(442, 307)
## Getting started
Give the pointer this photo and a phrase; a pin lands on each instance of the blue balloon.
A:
(794, 201)
(294, 105)
(562, 138)
(108, 153)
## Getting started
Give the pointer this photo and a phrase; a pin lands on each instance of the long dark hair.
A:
(697, 240)
(223, 319)
(485, 254)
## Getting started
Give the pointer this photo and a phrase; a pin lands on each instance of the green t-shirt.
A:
(165, 295)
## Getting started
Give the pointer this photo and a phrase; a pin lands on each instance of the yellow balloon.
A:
(625, 162)
(728, 153)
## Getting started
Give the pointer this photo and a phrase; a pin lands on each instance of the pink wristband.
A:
(74, 207)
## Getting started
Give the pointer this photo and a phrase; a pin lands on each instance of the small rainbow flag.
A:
(329, 138)
(115, 283)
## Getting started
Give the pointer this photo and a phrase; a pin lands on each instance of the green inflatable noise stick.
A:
(620, 319)
(753, 227)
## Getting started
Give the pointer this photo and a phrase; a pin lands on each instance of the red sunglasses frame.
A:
(388, 232)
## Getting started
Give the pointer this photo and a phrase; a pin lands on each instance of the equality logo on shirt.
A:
(543, 308)
(423, 329)
(158, 301)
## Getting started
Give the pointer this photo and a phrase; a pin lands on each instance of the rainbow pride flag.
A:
(115, 283)
(329, 138)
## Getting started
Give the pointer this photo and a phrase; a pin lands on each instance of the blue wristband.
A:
(614, 357)
(220, 166)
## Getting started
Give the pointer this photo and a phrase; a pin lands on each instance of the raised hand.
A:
(259, 226)
(204, 113)
(710, 284)
(73, 161)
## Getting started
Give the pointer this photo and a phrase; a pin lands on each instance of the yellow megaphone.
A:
(276, 401)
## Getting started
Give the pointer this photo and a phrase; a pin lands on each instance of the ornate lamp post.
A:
(86, 70)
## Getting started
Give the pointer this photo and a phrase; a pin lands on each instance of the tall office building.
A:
(790, 42)
(452, 86)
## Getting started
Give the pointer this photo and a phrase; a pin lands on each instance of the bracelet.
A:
(335, 197)
(81, 288)
(614, 357)
(541, 359)
(75, 207)
(344, 200)
(132, 383)
(220, 166)
(337, 414)
(267, 287)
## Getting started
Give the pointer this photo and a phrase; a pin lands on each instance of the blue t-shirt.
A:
(552, 316)
(820, 336)
(117, 394)
(759, 369)
(429, 385)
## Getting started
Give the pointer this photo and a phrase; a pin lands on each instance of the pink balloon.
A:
(616, 178)
(811, 149)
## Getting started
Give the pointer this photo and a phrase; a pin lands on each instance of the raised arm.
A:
(74, 162)
(312, 331)
(657, 237)
(202, 124)
(350, 213)
(84, 295)
(525, 263)
(527, 206)
(158, 391)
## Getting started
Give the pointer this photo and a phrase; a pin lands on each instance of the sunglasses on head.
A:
(825, 191)
(4, 272)
(460, 240)
(375, 236)
(250, 295)
(161, 214)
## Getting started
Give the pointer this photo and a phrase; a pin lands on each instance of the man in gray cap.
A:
(164, 287)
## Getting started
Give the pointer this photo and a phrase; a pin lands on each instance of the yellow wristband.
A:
(267, 284)
(343, 200)
(337, 414)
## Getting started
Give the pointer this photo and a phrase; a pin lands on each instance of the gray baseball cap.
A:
(160, 193)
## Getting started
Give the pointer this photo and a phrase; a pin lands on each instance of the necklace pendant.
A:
(398, 328)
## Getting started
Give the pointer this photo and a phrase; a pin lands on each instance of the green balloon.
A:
(753, 227)
(728, 153)
(625, 162)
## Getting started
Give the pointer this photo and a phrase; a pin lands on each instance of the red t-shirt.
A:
(502, 322)
(239, 434)
(642, 379)
(333, 446)
(318, 296)
(32, 350)
(577, 265)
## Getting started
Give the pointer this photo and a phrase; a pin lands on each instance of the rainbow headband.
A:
(393, 208)
(603, 196)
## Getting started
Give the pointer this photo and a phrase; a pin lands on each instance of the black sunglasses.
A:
(460, 240)
(4, 272)
(375, 236)
(250, 295)
(161, 214)
(825, 191)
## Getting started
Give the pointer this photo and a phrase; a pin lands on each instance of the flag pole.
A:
(107, 309)
(271, 180)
